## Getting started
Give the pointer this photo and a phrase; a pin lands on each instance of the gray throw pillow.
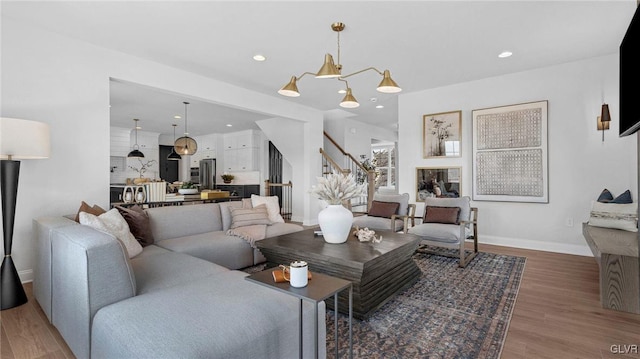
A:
(241, 217)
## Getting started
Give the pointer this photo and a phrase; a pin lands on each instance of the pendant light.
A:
(185, 145)
(173, 156)
(333, 70)
(135, 153)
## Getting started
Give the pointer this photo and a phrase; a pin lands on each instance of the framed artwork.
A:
(438, 182)
(442, 134)
(510, 153)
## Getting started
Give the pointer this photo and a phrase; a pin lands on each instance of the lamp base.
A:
(12, 294)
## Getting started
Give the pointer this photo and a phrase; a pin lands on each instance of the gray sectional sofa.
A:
(179, 298)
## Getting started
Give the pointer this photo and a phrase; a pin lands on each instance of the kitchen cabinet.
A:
(241, 151)
(242, 191)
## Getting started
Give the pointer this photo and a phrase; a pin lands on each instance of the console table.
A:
(616, 252)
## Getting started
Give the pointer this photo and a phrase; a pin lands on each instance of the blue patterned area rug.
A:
(450, 312)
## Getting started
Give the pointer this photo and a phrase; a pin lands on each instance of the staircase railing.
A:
(350, 165)
(283, 191)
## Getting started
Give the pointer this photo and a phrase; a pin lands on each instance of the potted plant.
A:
(188, 188)
(227, 178)
(335, 220)
(144, 166)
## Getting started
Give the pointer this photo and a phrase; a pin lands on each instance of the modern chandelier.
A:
(330, 70)
(185, 145)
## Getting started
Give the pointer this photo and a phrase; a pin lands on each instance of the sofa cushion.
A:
(272, 204)
(279, 229)
(217, 247)
(157, 268)
(241, 217)
(113, 223)
(383, 209)
(179, 221)
(138, 221)
(225, 212)
(446, 215)
(84, 207)
(213, 317)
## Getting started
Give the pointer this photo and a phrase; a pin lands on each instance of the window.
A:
(384, 158)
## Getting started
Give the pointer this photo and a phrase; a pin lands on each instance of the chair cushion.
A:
(376, 223)
(403, 199)
(383, 209)
(446, 215)
(447, 233)
(463, 202)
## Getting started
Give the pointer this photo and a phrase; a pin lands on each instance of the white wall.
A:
(65, 83)
(580, 164)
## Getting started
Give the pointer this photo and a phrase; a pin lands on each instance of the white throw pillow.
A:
(615, 215)
(113, 223)
(272, 207)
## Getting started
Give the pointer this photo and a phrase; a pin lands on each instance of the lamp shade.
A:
(605, 116)
(387, 85)
(290, 89)
(328, 69)
(185, 146)
(23, 139)
(173, 156)
(349, 101)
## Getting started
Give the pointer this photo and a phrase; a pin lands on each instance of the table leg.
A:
(350, 318)
(315, 330)
(300, 331)
(335, 321)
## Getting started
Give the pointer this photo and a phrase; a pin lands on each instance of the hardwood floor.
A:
(557, 315)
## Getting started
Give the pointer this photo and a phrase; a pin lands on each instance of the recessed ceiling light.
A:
(177, 116)
(373, 99)
(259, 57)
(505, 54)
(229, 125)
(380, 106)
(342, 91)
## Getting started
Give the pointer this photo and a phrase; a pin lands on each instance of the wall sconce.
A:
(604, 119)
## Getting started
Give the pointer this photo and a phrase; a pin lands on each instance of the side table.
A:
(320, 287)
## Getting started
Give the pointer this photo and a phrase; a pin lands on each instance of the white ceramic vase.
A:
(335, 223)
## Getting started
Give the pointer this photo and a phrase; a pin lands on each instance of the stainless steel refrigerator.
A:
(208, 173)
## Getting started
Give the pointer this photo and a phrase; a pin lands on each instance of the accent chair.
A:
(389, 212)
(448, 222)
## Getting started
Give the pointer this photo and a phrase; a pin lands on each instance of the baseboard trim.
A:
(26, 275)
(565, 248)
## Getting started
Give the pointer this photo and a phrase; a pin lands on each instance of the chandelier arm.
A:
(361, 71)
(305, 73)
(343, 80)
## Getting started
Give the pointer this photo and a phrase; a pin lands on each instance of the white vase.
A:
(335, 223)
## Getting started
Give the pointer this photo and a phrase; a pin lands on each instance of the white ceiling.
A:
(425, 44)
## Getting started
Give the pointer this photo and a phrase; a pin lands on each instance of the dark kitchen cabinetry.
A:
(242, 191)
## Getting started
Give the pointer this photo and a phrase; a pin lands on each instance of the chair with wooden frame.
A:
(447, 227)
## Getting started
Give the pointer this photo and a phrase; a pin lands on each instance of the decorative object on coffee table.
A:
(19, 139)
(367, 235)
(335, 220)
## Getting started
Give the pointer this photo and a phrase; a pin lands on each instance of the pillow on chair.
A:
(383, 209)
(446, 215)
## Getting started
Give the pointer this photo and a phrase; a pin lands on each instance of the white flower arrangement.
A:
(338, 187)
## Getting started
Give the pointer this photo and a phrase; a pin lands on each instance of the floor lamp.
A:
(19, 140)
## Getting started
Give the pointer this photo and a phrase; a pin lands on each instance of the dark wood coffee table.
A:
(377, 271)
